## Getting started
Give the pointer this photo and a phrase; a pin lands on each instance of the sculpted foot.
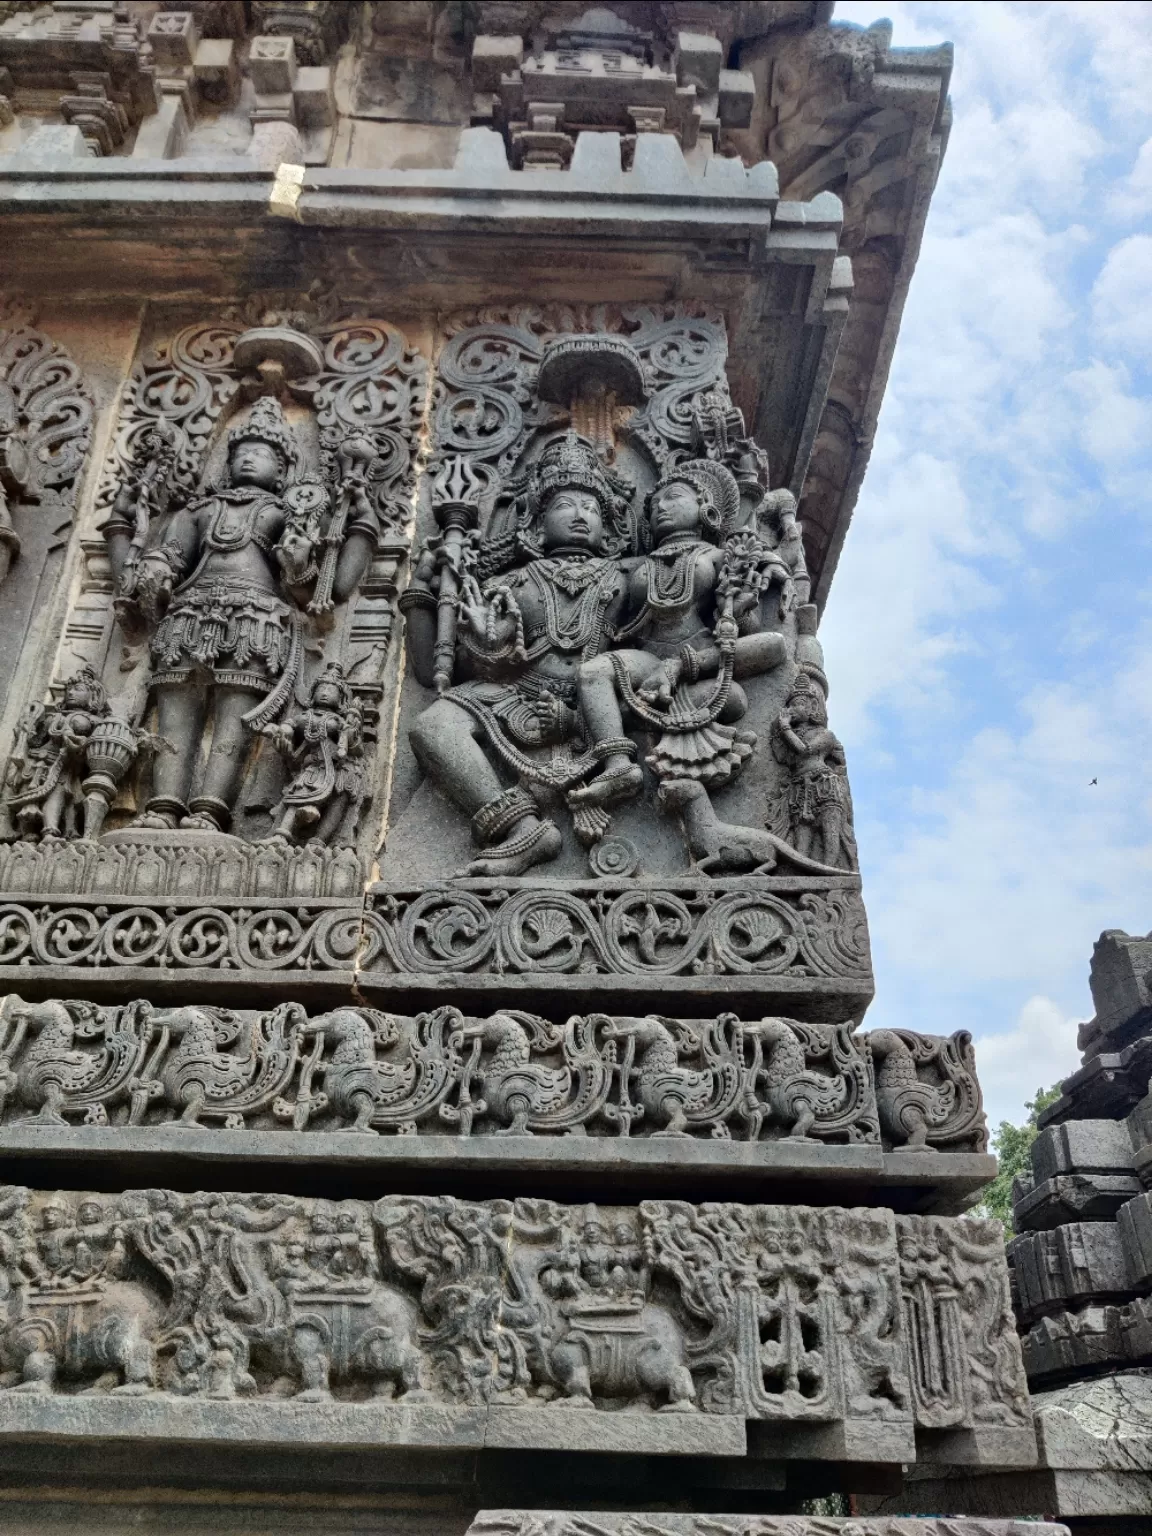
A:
(521, 851)
(609, 788)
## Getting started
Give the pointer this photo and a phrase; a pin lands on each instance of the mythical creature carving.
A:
(927, 1092)
(811, 1103)
(510, 1073)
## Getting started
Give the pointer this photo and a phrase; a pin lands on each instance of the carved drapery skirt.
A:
(530, 713)
(240, 635)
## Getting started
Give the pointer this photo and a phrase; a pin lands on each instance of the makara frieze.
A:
(793, 1315)
(360, 1069)
(219, 682)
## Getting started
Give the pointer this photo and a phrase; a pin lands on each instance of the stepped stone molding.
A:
(510, 1073)
(524, 1522)
(786, 1314)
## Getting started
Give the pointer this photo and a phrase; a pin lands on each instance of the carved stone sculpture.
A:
(45, 422)
(511, 1073)
(815, 812)
(324, 747)
(67, 762)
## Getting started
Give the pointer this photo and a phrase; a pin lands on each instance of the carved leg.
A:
(193, 1104)
(677, 1120)
(681, 1391)
(620, 778)
(53, 811)
(410, 1379)
(328, 825)
(314, 1366)
(364, 1104)
(831, 835)
(139, 1365)
(227, 756)
(570, 1366)
(914, 1118)
(446, 747)
(50, 1109)
(39, 1373)
(180, 723)
(805, 1117)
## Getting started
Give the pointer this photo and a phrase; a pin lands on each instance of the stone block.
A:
(1077, 1263)
(51, 143)
(495, 55)
(1074, 1197)
(216, 70)
(174, 36)
(807, 1312)
(737, 98)
(1119, 979)
(313, 96)
(1068, 1343)
(1082, 1146)
(699, 60)
(1134, 1224)
(272, 65)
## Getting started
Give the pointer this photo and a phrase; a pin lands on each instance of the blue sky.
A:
(989, 630)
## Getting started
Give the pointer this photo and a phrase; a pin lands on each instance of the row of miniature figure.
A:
(361, 1070)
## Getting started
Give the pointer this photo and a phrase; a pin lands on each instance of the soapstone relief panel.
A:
(214, 724)
(786, 1314)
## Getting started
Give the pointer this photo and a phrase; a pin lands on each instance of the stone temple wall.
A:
(432, 945)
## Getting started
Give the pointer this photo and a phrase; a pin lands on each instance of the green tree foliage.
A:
(1012, 1145)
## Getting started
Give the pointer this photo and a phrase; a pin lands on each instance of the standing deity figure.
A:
(544, 600)
(814, 812)
(691, 630)
(55, 759)
(220, 585)
(323, 748)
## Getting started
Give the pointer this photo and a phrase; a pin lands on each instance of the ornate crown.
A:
(333, 677)
(571, 463)
(265, 423)
(716, 487)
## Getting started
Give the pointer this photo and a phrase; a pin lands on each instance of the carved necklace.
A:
(582, 628)
(668, 589)
(224, 537)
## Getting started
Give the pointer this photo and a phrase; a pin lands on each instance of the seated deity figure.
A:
(220, 587)
(692, 613)
(546, 601)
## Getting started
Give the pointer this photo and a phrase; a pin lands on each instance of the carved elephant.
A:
(355, 1335)
(622, 1351)
(82, 1331)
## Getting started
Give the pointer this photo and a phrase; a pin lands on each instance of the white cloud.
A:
(987, 634)
(1038, 1051)
(1122, 296)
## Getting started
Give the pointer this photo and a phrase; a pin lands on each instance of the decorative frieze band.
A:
(364, 1070)
(794, 1315)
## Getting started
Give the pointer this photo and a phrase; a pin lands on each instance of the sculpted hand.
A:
(663, 682)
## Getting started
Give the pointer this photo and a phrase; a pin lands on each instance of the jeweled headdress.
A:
(567, 463)
(333, 677)
(265, 423)
(716, 487)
